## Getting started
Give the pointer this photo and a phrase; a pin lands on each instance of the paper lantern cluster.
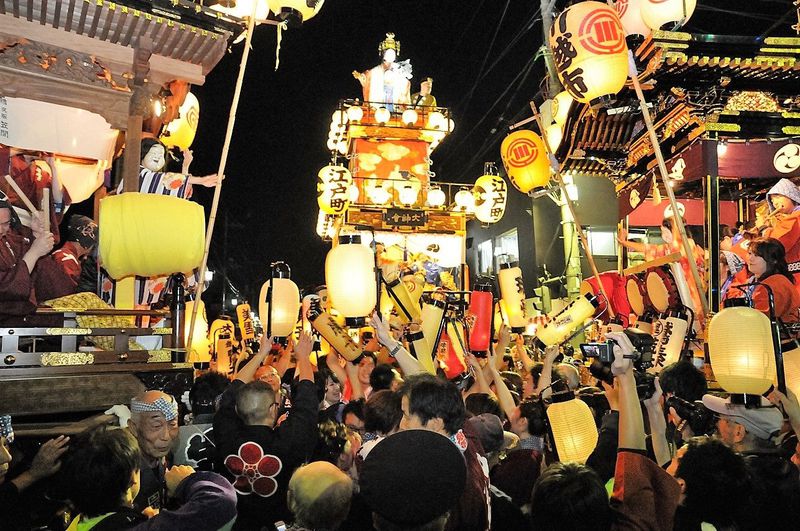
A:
(337, 135)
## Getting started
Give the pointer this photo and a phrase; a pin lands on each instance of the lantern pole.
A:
(662, 168)
(251, 24)
(577, 225)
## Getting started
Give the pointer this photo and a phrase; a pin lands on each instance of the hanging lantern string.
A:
(662, 169)
(565, 197)
(251, 23)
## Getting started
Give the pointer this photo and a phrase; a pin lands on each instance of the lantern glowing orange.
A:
(333, 189)
(656, 13)
(490, 193)
(574, 430)
(630, 14)
(525, 160)
(589, 50)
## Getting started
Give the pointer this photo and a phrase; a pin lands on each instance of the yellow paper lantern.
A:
(742, 363)
(333, 189)
(350, 278)
(129, 246)
(574, 430)
(490, 193)
(791, 367)
(561, 106)
(180, 131)
(562, 323)
(554, 136)
(525, 160)
(201, 348)
(221, 336)
(280, 316)
(294, 11)
(243, 9)
(512, 292)
(589, 51)
(630, 14)
(656, 13)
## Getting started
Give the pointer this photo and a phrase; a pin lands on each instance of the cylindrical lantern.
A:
(512, 291)
(333, 189)
(479, 317)
(656, 13)
(382, 115)
(589, 51)
(201, 348)
(436, 197)
(221, 336)
(561, 325)
(279, 302)
(335, 335)
(180, 131)
(490, 193)
(670, 342)
(129, 246)
(420, 348)
(574, 430)
(350, 277)
(525, 160)
(744, 363)
(407, 308)
(432, 316)
(454, 348)
(630, 14)
(464, 200)
(791, 367)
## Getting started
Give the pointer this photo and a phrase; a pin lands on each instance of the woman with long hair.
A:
(766, 260)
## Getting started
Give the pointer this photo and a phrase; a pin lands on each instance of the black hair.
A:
(382, 412)
(513, 381)
(430, 397)
(205, 391)
(97, 469)
(356, 407)
(382, 377)
(569, 497)
(717, 483)
(532, 410)
(148, 143)
(725, 232)
(331, 442)
(774, 254)
(683, 380)
(478, 403)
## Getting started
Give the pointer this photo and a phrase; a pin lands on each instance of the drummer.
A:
(784, 204)
(767, 262)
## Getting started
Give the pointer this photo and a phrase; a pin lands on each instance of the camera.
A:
(701, 420)
(643, 344)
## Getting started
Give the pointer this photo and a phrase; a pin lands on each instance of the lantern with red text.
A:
(657, 13)
(490, 193)
(525, 160)
(333, 189)
(589, 51)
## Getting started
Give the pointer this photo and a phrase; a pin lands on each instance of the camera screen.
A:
(594, 350)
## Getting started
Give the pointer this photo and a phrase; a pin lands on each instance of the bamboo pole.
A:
(571, 207)
(662, 168)
(46, 209)
(251, 23)
(24, 198)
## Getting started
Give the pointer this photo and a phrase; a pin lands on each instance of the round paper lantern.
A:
(378, 194)
(742, 363)
(333, 189)
(180, 131)
(436, 197)
(589, 51)
(295, 12)
(279, 302)
(409, 191)
(436, 120)
(490, 193)
(554, 136)
(129, 246)
(382, 115)
(243, 8)
(465, 202)
(409, 117)
(574, 430)
(350, 277)
(630, 14)
(355, 113)
(339, 118)
(525, 160)
(656, 13)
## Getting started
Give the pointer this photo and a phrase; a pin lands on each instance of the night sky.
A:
(481, 56)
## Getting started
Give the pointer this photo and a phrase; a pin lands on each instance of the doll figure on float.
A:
(387, 84)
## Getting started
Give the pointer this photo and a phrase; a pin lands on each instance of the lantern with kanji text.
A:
(333, 189)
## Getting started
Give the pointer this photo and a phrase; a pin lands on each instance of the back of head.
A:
(382, 412)
(479, 403)
(532, 409)
(569, 496)
(332, 441)
(205, 391)
(717, 484)
(430, 397)
(319, 495)
(683, 380)
(382, 377)
(253, 402)
(569, 373)
(97, 469)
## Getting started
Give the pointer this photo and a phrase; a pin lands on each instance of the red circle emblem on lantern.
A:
(521, 152)
(600, 33)
(622, 7)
